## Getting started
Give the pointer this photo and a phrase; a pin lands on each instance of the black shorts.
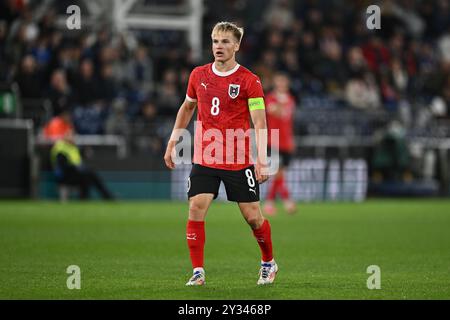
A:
(241, 185)
(285, 157)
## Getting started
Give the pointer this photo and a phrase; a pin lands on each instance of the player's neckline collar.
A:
(226, 73)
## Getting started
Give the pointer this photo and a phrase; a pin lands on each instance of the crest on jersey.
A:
(233, 90)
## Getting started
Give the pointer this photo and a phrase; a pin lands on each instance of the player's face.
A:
(281, 83)
(224, 46)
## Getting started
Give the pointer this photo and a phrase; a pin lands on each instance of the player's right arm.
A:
(184, 116)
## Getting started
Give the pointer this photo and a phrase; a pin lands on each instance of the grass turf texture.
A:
(137, 250)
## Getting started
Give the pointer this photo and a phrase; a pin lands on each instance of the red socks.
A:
(263, 236)
(273, 190)
(284, 193)
(278, 186)
(195, 235)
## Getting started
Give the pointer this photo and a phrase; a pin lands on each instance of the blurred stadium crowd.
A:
(113, 83)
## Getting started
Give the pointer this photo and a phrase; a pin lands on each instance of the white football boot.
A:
(197, 279)
(267, 272)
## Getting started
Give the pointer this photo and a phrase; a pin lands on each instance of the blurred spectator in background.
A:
(399, 76)
(266, 67)
(23, 31)
(376, 54)
(117, 122)
(41, 51)
(389, 94)
(90, 110)
(331, 70)
(107, 88)
(69, 168)
(63, 59)
(29, 79)
(147, 140)
(309, 62)
(362, 92)
(356, 64)
(60, 93)
(139, 72)
(279, 14)
(168, 94)
(86, 85)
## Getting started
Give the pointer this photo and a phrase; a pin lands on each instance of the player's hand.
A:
(261, 172)
(168, 156)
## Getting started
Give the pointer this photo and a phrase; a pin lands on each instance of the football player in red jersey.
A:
(280, 115)
(226, 96)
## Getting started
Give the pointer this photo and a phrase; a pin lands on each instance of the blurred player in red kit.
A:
(280, 115)
(227, 96)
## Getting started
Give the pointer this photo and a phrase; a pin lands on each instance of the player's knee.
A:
(197, 210)
(255, 221)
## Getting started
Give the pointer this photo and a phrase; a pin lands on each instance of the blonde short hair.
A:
(225, 26)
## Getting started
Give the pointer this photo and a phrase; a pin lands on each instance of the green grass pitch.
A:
(137, 250)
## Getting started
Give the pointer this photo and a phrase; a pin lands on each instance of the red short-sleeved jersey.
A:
(283, 122)
(223, 111)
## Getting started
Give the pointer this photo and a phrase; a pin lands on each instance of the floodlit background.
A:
(372, 121)
(372, 105)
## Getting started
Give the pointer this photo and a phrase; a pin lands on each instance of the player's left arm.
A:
(258, 117)
(257, 108)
